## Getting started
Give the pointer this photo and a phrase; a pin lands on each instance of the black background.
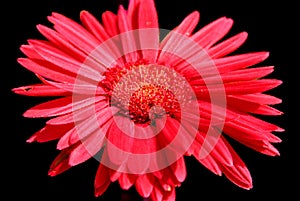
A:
(271, 27)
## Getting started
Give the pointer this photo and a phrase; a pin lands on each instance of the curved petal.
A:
(213, 32)
(228, 46)
(149, 30)
(60, 106)
(102, 180)
(40, 90)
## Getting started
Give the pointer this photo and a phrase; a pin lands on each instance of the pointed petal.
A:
(238, 75)
(133, 13)
(47, 70)
(110, 23)
(179, 169)
(149, 33)
(213, 32)
(144, 185)
(127, 180)
(92, 128)
(126, 36)
(60, 163)
(74, 32)
(64, 61)
(228, 46)
(40, 90)
(259, 98)
(147, 15)
(80, 115)
(170, 195)
(253, 138)
(83, 40)
(59, 106)
(176, 39)
(93, 26)
(102, 180)
(157, 194)
(211, 164)
(238, 173)
(230, 63)
(30, 52)
(237, 88)
(114, 174)
(81, 86)
(247, 106)
(62, 43)
(91, 142)
(212, 144)
(49, 133)
(188, 25)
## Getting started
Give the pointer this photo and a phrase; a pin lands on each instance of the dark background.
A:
(271, 27)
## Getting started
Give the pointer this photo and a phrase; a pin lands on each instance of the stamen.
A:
(145, 92)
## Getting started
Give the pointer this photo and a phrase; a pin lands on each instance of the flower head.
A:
(139, 103)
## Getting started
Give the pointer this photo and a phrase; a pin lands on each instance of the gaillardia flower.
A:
(139, 102)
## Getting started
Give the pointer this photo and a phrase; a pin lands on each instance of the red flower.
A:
(139, 104)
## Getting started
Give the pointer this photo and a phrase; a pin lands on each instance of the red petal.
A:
(110, 23)
(255, 123)
(83, 40)
(29, 51)
(119, 145)
(60, 106)
(74, 32)
(87, 149)
(93, 25)
(114, 174)
(144, 185)
(237, 88)
(238, 75)
(149, 39)
(92, 128)
(157, 194)
(247, 106)
(230, 63)
(47, 70)
(60, 163)
(127, 38)
(127, 180)
(40, 90)
(49, 133)
(179, 169)
(64, 61)
(80, 115)
(188, 25)
(81, 86)
(212, 144)
(213, 32)
(211, 164)
(62, 43)
(262, 99)
(228, 46)
(238, 173)
(133, 14)
(170, 195)
(147, 15)
(253, 138)
(102, 180)
(177, 40)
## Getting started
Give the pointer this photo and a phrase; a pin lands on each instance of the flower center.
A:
(144, 92)
(150, 102)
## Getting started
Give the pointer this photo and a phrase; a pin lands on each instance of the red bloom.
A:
(139, 103)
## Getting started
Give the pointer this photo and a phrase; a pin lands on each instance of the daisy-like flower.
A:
(139, 103)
